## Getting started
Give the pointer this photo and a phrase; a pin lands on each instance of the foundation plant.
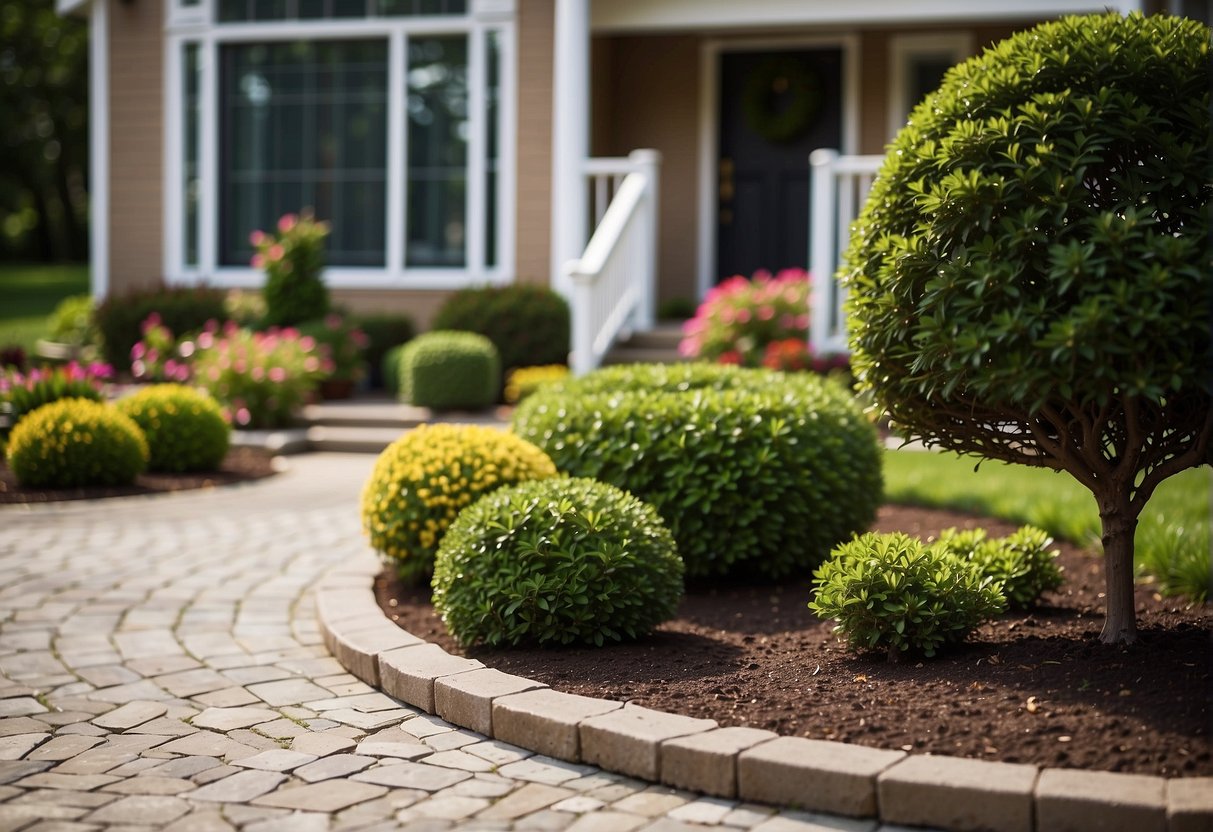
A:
(184, 428)
(75, 442)
(447, 370)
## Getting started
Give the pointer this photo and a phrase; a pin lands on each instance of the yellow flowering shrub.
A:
(185, 428)
(523, 381)
(424, 479)
(74, 442)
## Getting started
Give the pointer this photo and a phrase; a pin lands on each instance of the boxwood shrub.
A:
(893, 592)
(185, 429)
(1022, 564)
(556, 561)
(757, 473)
(76, 442)
(423, 479)
(528, 324)
(446, 370)
(119, 318)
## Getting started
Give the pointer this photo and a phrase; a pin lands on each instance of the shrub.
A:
(157, 356)
(423, 479)
(120, 318)
(293, 261)
(260, 378)
(390, 369)
(185, 429)
(1021, 564)
(72, 321)
(446, 370)
(676, 309)
(76, 442)
(12, 356)
(893, 592)
(245, 306)
(556, 561)
(529, 325)
(740, 317)
(21, 394)
(383, 333)
(342, 341)
(521, 382)
(1029, 280)
(756, 473)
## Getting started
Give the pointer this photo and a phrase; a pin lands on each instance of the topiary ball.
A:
(76, 442)
(423, 479)
(185, 429)
(556, 561)
(757, 473)
(445, 370)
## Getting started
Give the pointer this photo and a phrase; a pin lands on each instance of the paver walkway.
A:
(161, 668)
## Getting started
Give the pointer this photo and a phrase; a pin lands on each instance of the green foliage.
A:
(446, 370)
(343, 342)
(528, 324)
(390, 369)
(757, 473)
(293, 260)
(72, 321)
(424, 478)
(21, 394)
(30, 294)
(76, 442)
(1021, 564)
(185, 429)
(676, 309)
(1173, 535)
(556, 561)
(383, 333)
(891, 591)
(120, 318)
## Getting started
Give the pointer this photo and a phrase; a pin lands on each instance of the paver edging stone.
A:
(1179, 811)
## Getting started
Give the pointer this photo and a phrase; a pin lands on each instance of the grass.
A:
(1173, 535)
(29, 294)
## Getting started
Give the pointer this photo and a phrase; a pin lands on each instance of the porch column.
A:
(570, 136)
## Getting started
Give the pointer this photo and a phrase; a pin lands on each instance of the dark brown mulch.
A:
(240, 465)
(1032, 688)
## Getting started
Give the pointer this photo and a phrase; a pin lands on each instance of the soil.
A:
(1034, 687)
(240, 465)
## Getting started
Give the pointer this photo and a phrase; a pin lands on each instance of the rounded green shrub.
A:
(446, 370)
(75, 442)
(423, 479)
(185, 429)
(556, 561)
(1021, 564)
(893, 592)
(390, 369)
(528, 324)
(383, 334)
(756, 473)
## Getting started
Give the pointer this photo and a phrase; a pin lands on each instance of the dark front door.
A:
(775, 109)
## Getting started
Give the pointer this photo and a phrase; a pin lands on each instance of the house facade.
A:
(453, 142)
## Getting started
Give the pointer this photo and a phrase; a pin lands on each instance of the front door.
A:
(776, 107)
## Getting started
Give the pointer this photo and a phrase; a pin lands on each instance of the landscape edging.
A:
(950, 793)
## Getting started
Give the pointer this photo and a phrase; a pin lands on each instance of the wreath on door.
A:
(781, 99)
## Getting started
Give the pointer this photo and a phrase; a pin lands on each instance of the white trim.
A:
(954, 46)
(99, 150)
(507, 134)
(570, 137)
(173, 251)
(709, 124)
(473, 202)
(176, 13)
(397, 153)
(673, 15)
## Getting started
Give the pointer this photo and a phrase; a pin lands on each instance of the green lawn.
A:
(1173, 536)
(28, 294)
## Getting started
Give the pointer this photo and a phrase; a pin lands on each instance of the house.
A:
(462, 142)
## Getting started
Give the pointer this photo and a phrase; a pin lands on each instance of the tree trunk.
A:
(1119, 524)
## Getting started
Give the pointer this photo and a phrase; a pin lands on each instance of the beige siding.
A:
(136, 194)
(534, 206)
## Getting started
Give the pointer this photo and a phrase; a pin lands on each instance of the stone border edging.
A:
(949, 793)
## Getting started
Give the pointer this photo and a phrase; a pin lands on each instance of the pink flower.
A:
(138, 350)
(257, 238)
(802, 321)
(730, 357)
(311, 364)
(258, 262)
(307, 343)
(138, 368)
(743, 316)
(186, 348)
(287, 222)
(151, 320)
(765, 313)
(206, 340)
(332, 321)
(277, 375)
(275, 253)
(243, 417)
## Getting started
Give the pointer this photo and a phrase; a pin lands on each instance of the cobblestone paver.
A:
(161, 668)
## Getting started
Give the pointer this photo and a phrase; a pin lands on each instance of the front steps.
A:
(368, 425)
(657, 346)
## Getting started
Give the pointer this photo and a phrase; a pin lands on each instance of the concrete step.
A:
(639, 355)
(664, 336)
(382, 412)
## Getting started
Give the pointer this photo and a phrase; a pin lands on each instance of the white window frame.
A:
(953, 46)
(484, 17)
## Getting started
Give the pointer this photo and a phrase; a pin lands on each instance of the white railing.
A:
(839, 189)
(614, 283)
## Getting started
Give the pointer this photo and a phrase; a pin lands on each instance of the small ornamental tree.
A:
(1030, 278)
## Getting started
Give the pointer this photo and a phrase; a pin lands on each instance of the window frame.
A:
(484, 17)
(903, 50)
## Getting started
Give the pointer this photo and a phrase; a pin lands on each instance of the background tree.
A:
(1030, 278)
(43, 133)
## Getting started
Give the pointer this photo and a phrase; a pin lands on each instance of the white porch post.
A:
(98, 128)
(570, 137)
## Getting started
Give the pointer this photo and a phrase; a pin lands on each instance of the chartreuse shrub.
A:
(893, 592)
(1029, 279)
(446, 370)
(74, 442)
(1021, 564)
(756, 473)
(21, 393)
(528, 324)
(185, 429)
(423, 479)
(556, 561)
(521, 382)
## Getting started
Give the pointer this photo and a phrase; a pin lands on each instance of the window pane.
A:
(437, 155)
(926, 74)
(304, 126)
(190, 184)
(492, 110)
(402, 8)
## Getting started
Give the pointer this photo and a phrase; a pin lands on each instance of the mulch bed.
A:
(1032, 688)
(240, 465)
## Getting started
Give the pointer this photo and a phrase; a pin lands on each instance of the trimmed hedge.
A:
(447, 370)
(185, 429)
(76, 442)
(757, 473)
(120, 318)
(528, 324)
(556, 561)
